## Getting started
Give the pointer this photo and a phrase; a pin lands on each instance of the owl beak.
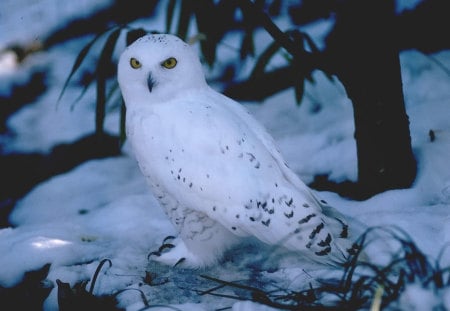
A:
(150, 82)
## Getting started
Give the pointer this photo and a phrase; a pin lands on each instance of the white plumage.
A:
(214, 168)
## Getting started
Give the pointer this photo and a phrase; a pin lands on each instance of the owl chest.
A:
(193, 156)
(164, 136)
(164, 148)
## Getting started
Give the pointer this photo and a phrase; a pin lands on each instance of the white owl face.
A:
(157, 67)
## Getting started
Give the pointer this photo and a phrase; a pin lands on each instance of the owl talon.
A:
(164, 246)
(155, 253)
(167, 238)
(181, 260)
(176, 255)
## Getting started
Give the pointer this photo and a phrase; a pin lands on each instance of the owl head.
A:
(157, 68)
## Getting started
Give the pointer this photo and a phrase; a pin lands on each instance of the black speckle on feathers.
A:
(306, 219)
(324, 252)
(325, 242)
(316, 230)
(290, 215)
(266, 223)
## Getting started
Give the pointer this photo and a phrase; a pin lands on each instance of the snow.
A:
(34, 131)
(103, 208)
(42, 16)
(415, 298)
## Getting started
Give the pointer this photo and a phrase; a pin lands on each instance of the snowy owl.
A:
(213, 168)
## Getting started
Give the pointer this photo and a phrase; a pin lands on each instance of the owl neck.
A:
(148, 101)
(177, 92)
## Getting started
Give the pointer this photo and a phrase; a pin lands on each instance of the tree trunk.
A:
(362, 52)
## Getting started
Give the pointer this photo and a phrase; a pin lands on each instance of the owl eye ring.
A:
(134, 63)
(169, 63)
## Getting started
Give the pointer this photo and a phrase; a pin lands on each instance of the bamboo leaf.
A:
(299, 89)
(113, 91)
(97, 271)
(310, 42)
(184, 19)
(251, 10)
(298, 39)
(315, 51)
(122, 132)
(377, 299)
(264, 59)
(169, 16)
(100, 105)
(248, 44)
(102, 69)
(205, 14)
(134, 34)
(85, 88)
(79, 60)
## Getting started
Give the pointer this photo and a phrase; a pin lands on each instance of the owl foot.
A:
(165, 245)
(175, 254)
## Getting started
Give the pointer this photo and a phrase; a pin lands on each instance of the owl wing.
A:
(337, 227)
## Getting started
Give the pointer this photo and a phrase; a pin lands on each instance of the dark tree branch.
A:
(362, 52)
(424, 27)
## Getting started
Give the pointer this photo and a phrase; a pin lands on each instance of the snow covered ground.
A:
(103, 209)
(23, 21)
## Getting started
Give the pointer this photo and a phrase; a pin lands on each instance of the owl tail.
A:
(345, 237)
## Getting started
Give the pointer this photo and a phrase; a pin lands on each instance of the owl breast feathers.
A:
(214, 169)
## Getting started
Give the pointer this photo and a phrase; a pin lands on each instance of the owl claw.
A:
(162, 248)
(175, 254)
(155, 253)
(167, 238)
(180, 261)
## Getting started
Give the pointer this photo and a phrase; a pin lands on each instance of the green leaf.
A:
(112, 91)
(79, 60)
(97, 271)
(251, 10)
(134, 34)
(264, 59)
(248, 44)
(102, 70)
(122, 131)
(299, 89)
(206, 15)
(85, 88)
(184, 19)
(169, 14)
(315, 51)
(310, 42)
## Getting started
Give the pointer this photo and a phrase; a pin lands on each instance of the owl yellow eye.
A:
(169, 63)
(134, 63)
